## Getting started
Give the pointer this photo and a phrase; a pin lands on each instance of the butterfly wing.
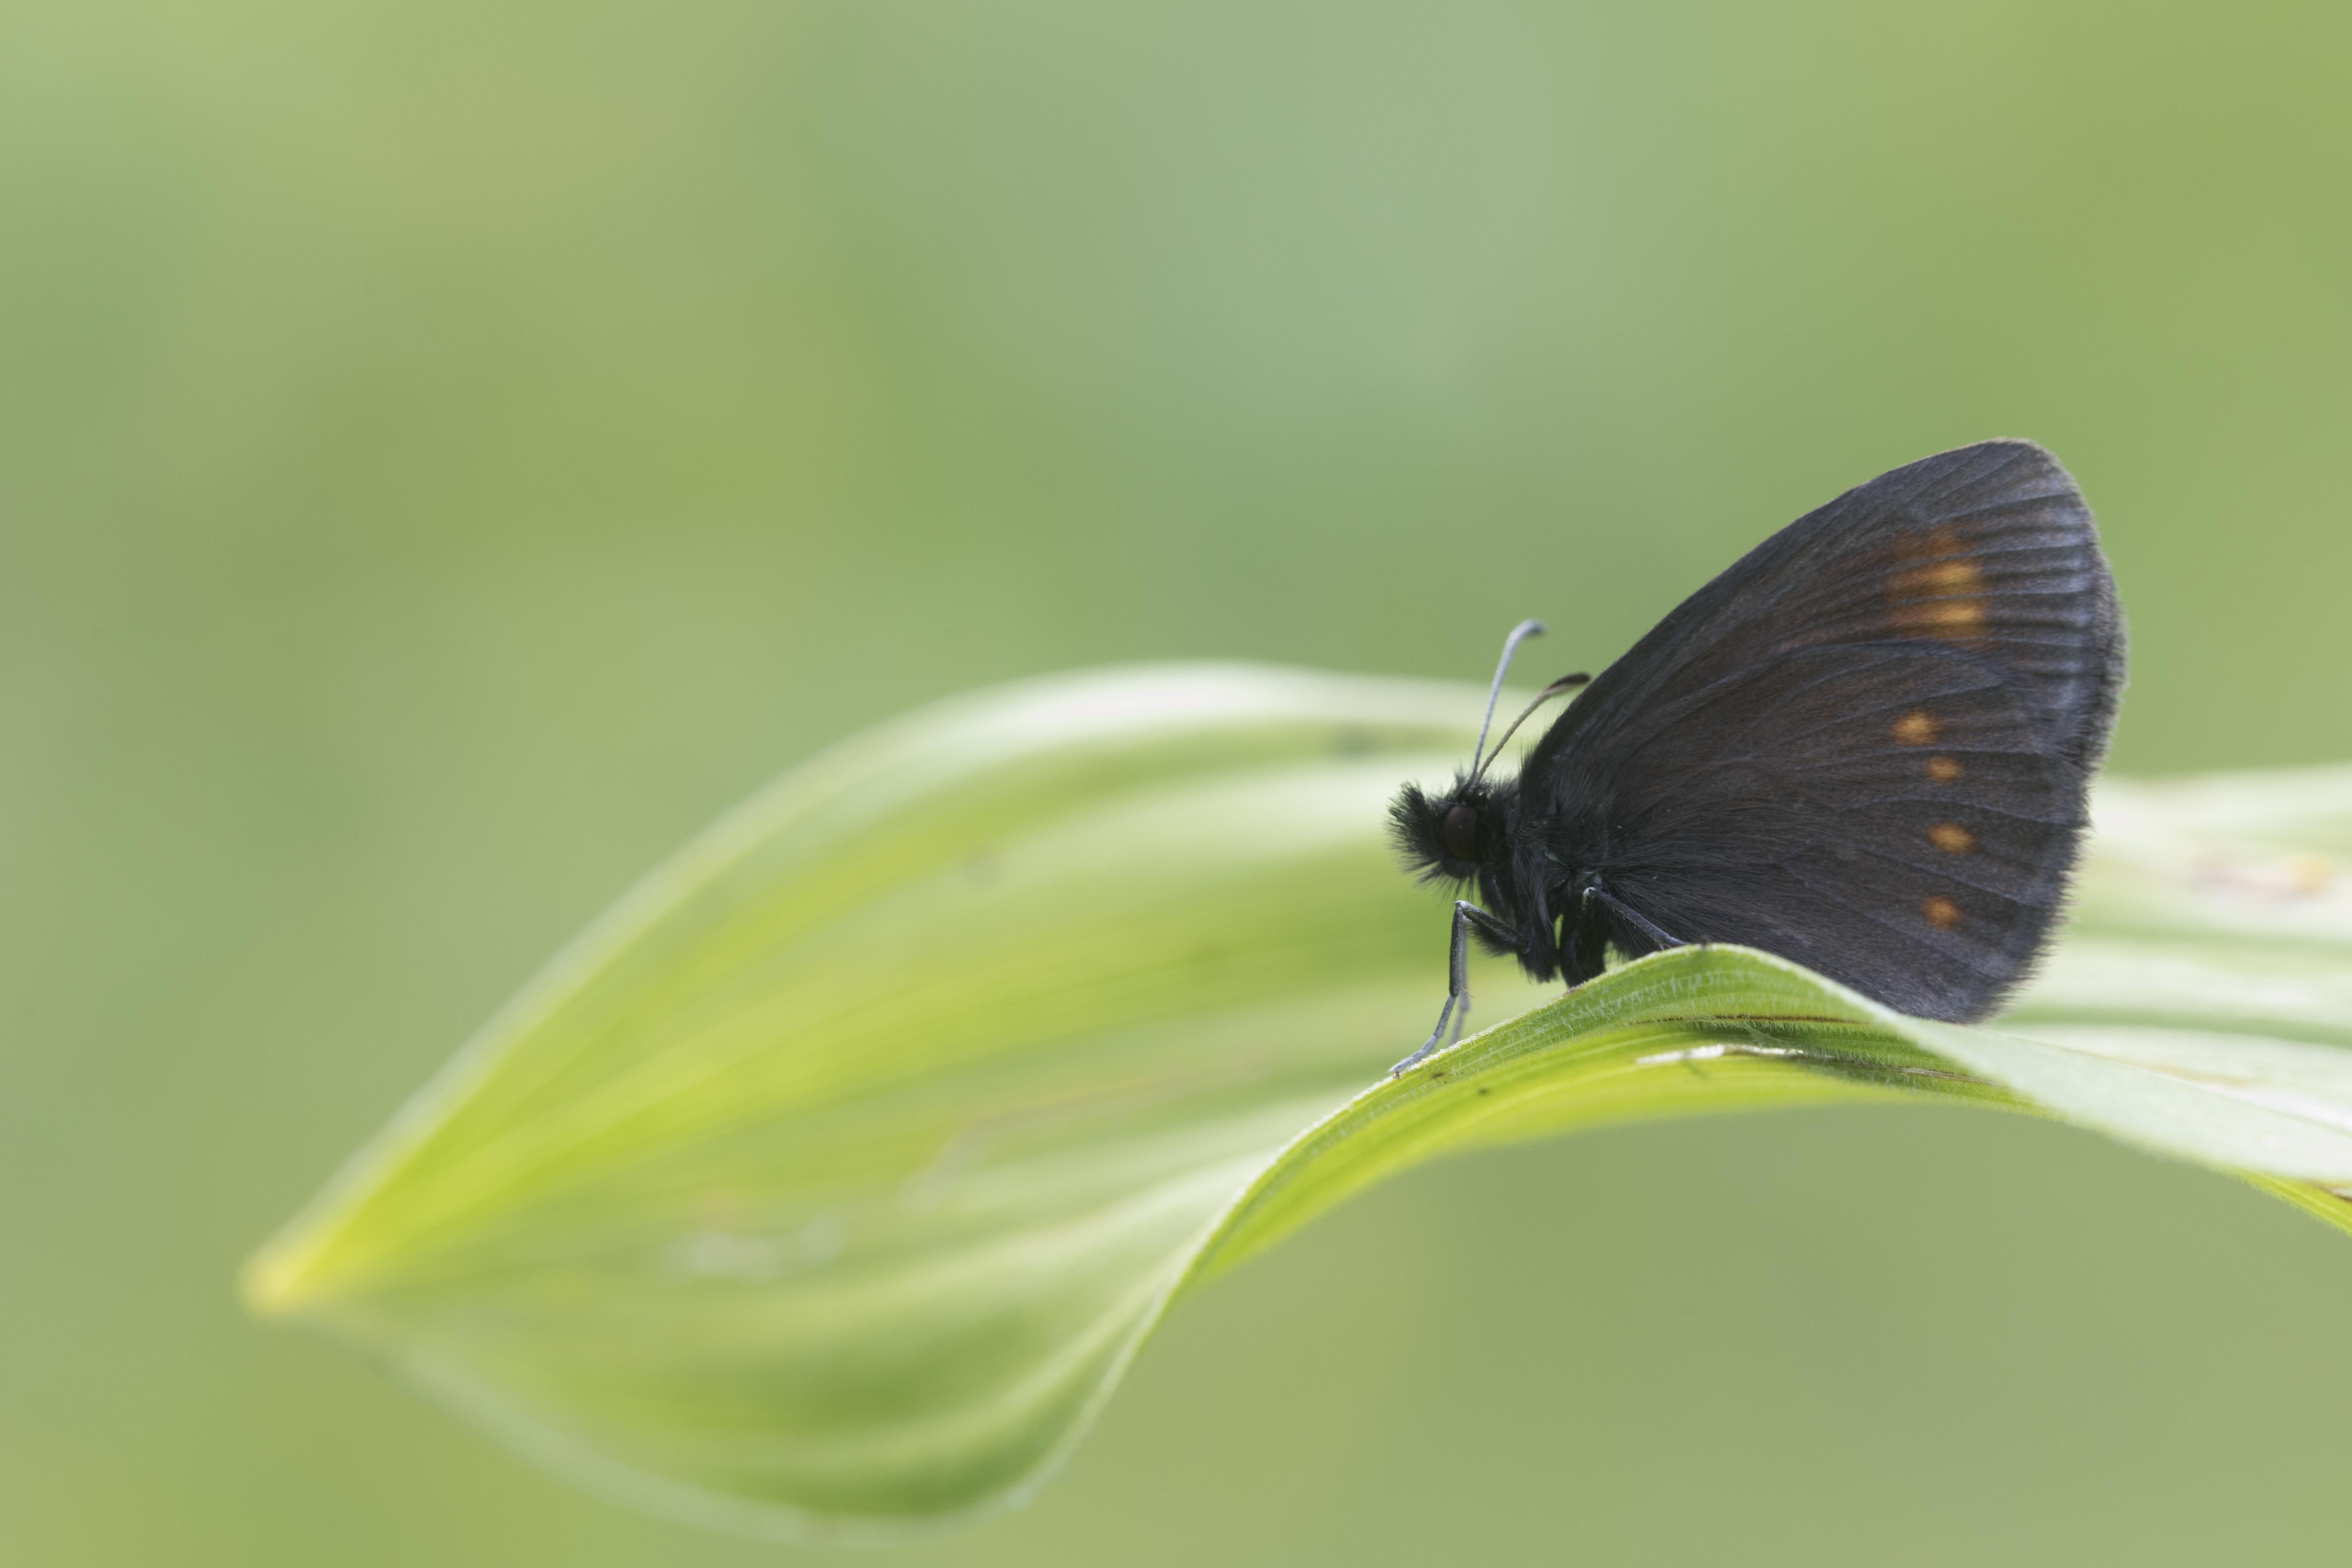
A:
(1866, 745)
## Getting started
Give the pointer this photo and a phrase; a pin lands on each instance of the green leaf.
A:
(829, 1182)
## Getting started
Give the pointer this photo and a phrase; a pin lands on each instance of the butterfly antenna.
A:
(1520, 634)
(1566, 683)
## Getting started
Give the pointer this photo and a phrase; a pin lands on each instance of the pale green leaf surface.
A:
(828, 1184)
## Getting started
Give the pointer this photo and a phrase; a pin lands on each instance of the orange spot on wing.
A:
(1916, 728)
(1942, 913)
(1942, 593)
(1943, 770)
(1951, 838)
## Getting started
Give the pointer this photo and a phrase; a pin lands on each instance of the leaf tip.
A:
(279, 1280)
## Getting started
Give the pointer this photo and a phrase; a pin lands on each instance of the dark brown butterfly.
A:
(1865, 747)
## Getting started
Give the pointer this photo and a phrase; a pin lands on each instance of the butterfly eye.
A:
(1461, 833)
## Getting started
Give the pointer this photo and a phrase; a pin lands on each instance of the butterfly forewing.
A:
(1865, 745)
(1988, 549)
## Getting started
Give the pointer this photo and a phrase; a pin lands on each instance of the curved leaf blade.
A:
(829, 1182)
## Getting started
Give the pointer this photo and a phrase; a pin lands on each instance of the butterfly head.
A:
(1454, 834)
(1463, 832)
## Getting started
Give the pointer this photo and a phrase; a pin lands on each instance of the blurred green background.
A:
(448, 452)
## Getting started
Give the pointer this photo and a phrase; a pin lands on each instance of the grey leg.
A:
(1634, 918)
(1457, 1010)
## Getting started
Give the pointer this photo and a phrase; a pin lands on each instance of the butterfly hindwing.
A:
(1886, 817)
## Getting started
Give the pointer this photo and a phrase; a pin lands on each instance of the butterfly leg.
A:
(1633, 918)
(1457, 1010)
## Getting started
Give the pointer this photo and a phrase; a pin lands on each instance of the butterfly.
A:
(1867, 746)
